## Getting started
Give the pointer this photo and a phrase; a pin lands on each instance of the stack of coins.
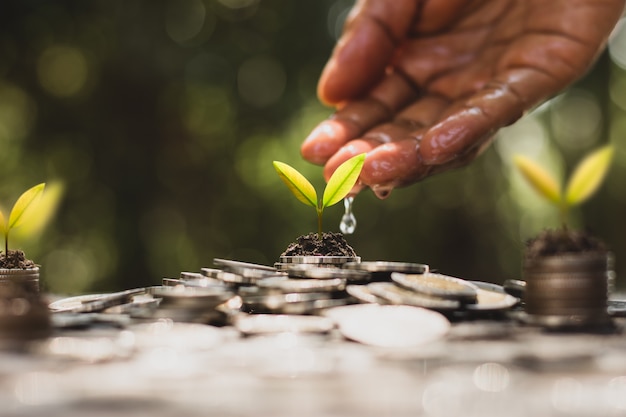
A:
(286, 262)
(566, 291)
(25, 278)
(24, 316)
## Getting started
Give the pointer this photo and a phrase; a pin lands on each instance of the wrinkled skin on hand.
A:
(423, 85)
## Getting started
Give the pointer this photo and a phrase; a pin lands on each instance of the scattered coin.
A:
(489, 300)
(402, 296)
(303, 285)
(190, 297)
(93, 302)
(364, 294)
(315, 272)
(437, 285)
(247, 277)
(304, 303)
(278, 299)
(381, 270)
(515, 287)
(389, 326)
(617, 308)
(257, 324)
(211, 272)
(237, 266)
(191, 275)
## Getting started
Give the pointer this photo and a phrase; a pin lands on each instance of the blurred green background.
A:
(161, 118)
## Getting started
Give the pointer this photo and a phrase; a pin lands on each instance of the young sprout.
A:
(338, 186)
(25, 211)
(584, 181)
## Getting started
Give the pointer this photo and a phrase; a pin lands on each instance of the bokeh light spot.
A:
(185, 20)
(62, 70)
(17, 113)
(261, 81)
(337, 14)
(617, 44)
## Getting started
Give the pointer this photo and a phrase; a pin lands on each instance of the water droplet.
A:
(348, 221)
(382, 191)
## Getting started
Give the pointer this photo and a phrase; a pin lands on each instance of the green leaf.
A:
(42, 212)
(342, 180)
(299, 186)
(22, 211)
(539, 179)
(588, 175)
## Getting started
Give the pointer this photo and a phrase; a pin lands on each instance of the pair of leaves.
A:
(585, 180)
(338, 186)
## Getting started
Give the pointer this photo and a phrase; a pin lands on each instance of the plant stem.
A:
(6, 245)
(564, 214)
(319, 224)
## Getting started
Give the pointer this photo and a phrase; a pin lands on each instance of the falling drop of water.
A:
(348, 221)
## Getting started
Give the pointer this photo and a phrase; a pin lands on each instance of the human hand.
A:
(422, 86)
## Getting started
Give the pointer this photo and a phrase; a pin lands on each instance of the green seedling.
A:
(338, 186)
(30, 213)
(584, 181)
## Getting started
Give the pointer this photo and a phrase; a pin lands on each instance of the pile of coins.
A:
(307, 285)
(295, 286)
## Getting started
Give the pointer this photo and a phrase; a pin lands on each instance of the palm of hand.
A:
(429, 93)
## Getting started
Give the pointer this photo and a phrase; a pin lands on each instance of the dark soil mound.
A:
(331, 244)
(554, 242)
(15, 260)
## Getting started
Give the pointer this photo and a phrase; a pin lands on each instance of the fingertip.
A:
(325, 140)
(354, 147)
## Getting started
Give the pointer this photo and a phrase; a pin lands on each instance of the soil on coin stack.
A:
(15, 259)
(560, 241)
(331, 244)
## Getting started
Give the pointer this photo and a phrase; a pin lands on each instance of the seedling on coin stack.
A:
(583, 183)
(339, 185)
(567, 272)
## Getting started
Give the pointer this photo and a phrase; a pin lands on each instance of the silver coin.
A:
(190, 297)
(364, 294)
(247, 277)
(381, 270)
(279, 299)
(489, 300)
(211, 272)
(617, 308)
(292, 304)
(315, 272)
(395, 294)
(303, 285)
(438, 285)
(191, 275)
(515, 287)
(238, 265)
(389, 326)
(257, 324)
(316, 260)
(203, 282)
(93, 302)
(141, 306)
